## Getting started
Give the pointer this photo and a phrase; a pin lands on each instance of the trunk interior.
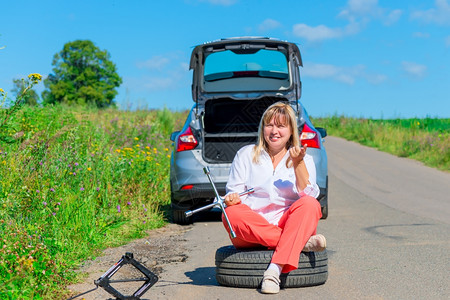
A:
(231, 124)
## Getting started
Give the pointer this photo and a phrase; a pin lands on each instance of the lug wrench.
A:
(218, 201)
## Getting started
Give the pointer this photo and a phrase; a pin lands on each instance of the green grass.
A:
(77, 180)
(426, 140)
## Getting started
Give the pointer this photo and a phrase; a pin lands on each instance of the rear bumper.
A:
(186, 169)
(198, 191)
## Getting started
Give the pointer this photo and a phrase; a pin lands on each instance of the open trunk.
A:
(231, 124)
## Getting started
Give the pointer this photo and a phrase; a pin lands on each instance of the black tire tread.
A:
(179, 217)
(245, 268)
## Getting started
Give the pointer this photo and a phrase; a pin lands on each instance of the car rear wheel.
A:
(178, 212)
(325, 211)
(179, 217)
(245, 268)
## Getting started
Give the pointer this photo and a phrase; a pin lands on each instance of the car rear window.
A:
(262, 63)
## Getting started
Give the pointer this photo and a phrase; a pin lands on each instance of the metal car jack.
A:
(105, 280)
(218, 202)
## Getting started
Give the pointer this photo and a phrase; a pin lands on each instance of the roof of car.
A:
(246, 39)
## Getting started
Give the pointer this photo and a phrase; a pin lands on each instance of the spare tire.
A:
(245, 268)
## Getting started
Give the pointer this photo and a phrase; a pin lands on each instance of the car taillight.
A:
(309, 137)
(186, 141)
(187, 187)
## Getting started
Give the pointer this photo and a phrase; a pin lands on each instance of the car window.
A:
(262, 63)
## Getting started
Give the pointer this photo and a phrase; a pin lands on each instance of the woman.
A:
(283, 212)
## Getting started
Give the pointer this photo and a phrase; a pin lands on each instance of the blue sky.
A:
(362, 58)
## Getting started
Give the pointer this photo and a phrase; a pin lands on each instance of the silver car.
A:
(234, 81)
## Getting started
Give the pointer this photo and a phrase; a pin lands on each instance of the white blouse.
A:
(275, 190)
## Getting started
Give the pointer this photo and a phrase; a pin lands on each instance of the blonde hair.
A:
(283, 114)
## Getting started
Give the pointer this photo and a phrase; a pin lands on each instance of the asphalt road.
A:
(388, 234)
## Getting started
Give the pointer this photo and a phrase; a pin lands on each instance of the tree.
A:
(83, 74)
(30, 97)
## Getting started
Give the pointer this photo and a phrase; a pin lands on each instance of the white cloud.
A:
(322, 32)
(414, 69)
(220, 2)
(347, 75)
(424, 35)
(375, 78)
(170, 77)
(154, 63)
(319, 70)
(184, 66)
(438, 15)
(392, 17)
(269, 24)
(155, 83)
(362, 11)
(317, 33)
(360, 8)
(447, 41)
(358, 13)
(148, 83)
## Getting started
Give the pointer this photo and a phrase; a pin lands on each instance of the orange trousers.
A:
(295, 227)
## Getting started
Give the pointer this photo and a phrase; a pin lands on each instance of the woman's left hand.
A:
(297, 153)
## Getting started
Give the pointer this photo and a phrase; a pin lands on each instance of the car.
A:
(234, 81)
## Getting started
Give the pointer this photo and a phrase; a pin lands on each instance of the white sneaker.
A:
(316, 243)
(270, 283)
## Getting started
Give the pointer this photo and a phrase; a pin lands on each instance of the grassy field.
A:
(426, 140)
(77, 180)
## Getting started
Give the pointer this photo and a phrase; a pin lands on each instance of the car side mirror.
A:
(174, 135)
(322, 131)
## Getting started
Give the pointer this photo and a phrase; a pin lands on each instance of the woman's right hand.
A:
(232, 199)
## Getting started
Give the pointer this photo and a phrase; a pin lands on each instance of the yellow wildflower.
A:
(89, 169)
(136, 139)
(28, 263)
(147, 147)
(167, 149)
(2, 91)
(118, 150)
(36, 77)
(138, 145)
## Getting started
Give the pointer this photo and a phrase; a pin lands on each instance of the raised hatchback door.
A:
(242, 66)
